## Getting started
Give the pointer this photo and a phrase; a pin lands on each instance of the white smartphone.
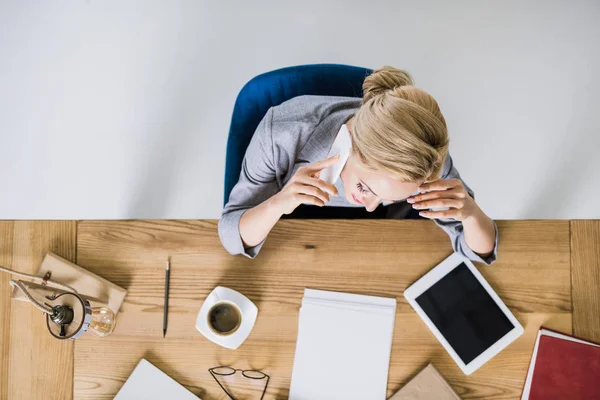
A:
(342, 146)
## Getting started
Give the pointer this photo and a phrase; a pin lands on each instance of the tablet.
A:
(463, 312)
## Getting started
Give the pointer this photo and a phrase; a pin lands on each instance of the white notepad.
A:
(343, 347)
(150, 383)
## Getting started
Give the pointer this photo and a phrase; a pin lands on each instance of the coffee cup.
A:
(226, 317)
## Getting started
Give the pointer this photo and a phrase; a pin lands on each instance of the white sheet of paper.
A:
(343, 347)
(150, 383)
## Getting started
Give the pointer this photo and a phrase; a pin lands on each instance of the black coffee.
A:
(224, 318)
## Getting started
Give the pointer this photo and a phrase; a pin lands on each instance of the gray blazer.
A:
(299, 132)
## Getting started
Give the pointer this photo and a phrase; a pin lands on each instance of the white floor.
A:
(120, 109)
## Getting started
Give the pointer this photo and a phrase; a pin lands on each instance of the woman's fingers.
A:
(446, 194)
(319, 165)
(314, 192)
(307, 199)
(440, 184)
(453, 213)
(309, 175)
(306, 188)
(439, 203)
(321, 184)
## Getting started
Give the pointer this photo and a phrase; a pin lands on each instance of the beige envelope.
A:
(427, 385)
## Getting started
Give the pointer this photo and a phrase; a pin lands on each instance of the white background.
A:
(120, 109)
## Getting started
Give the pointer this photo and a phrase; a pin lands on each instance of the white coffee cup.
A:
(226, 317)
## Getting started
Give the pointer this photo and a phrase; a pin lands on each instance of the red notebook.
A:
(562, 368)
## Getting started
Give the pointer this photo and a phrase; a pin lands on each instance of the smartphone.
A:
(342, 145)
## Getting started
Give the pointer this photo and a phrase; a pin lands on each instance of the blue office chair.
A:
(273, 88)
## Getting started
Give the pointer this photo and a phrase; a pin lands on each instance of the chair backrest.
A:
(273, 88)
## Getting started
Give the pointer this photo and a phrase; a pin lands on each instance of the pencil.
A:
(166, 307)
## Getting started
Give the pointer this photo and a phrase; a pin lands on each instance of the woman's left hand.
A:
(449, 194)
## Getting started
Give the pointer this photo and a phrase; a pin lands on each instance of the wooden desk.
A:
(33, 364)
(533, 276)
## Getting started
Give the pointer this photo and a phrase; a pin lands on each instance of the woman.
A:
(399, 158)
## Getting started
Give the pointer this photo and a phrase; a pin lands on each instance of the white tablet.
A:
(463, 312)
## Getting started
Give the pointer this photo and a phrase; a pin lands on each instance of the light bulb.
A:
(103, 321)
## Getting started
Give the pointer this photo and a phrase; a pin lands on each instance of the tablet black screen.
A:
(464, 313)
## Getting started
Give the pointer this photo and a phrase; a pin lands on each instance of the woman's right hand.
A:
(305, 187)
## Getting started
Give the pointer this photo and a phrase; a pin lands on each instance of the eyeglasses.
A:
(248, 373)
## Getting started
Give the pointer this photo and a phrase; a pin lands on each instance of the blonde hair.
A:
(399, 129)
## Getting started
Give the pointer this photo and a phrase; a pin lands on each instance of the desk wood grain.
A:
(585, 259)
(6, 244)
(34, 365)
(369, 257)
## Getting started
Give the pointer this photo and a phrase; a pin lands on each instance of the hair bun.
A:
(384, 79)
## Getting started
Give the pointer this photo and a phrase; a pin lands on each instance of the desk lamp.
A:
(68, 314)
